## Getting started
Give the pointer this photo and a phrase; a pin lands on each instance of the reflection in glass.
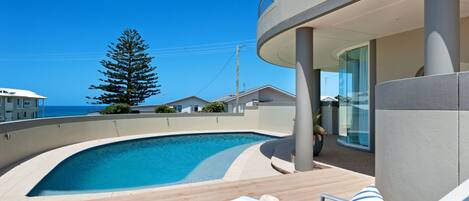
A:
(353, 98)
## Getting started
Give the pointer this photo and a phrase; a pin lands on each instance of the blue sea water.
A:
(149, 162)
(62, 111)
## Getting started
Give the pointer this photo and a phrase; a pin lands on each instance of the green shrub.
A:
(214, 107)
(119, 108)
(317, 128)
(164, 109)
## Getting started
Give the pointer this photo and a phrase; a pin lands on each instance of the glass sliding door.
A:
(354, 98)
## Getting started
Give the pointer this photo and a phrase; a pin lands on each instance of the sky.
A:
(54, 47)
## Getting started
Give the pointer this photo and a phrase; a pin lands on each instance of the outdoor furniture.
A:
(263, 198)
(369, 193)
(245, 198)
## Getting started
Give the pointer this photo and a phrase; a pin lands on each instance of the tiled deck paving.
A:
(300, 186)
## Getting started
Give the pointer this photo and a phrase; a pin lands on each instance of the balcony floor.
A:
(347, 158)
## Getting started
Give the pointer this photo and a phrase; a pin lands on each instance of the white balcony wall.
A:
(18, 144)
(421, 136)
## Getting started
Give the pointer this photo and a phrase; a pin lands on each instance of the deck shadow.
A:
(333, 154)
(346, 158)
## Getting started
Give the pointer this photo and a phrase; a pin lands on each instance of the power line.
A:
(211, 48)
(217, 75)
(231, 43)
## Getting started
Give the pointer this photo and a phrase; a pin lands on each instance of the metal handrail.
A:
(263, 6)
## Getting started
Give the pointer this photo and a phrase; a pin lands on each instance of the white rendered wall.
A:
(278, 118)
(464, 145)
(24, 143)
(422, 133)
(416, 154)
(401, 55)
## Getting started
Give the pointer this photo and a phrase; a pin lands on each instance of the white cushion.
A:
(369, 193)
(245, 198)
(268, 198)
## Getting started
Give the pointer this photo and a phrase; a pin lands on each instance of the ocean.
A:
(62, 111)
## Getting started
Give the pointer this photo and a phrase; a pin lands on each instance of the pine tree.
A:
(129, 76)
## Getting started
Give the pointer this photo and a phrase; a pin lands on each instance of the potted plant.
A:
(318, 136)
(318, 133)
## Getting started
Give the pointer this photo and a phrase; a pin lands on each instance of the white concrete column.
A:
(304, 99)
(442, 36)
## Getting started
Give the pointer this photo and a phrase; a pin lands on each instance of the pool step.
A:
(281, 159)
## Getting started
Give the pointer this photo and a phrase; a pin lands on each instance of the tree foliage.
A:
(128, 75)
(120, 108)
(164, 109)
(214, 107)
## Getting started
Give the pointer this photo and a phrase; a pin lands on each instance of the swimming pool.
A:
(147, 162)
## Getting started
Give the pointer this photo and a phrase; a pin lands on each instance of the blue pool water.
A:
(149, 162)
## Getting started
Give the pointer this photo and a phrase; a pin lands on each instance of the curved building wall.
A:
(421, 128)
(281, 10)
(401, 55)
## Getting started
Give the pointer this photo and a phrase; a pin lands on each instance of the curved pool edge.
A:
(20, 180)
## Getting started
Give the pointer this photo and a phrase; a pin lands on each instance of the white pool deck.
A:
(17, 182)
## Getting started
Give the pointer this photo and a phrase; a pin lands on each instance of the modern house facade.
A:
(399, 64)
(403, 95)
(184, 105)
(264, 94)
(16, 104)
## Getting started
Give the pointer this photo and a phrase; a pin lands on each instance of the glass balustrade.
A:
(354, 98)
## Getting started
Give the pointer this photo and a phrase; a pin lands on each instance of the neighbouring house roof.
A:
(186, 98)
(7, 92)
(328, 99)
(231, 97)
(172, 102)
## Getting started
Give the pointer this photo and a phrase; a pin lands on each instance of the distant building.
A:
(185, 105)
(263, 94)
(330, 114)
(18, 104)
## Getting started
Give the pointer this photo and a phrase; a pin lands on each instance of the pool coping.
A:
(18, 182)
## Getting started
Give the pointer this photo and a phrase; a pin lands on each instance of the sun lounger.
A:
(263, 198)
(370, 193)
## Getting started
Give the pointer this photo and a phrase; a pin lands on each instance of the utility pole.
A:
(325, 85)
(237, 79)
